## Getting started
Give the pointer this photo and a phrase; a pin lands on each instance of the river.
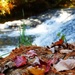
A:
(44, 28)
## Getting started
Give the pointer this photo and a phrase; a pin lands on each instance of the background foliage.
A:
(7, 5)
(25, 8)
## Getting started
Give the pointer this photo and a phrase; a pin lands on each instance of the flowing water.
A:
(44, 28)
(62, 21)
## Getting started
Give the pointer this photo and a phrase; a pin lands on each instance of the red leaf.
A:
(49, 63)
(20, 61)
(60, 42)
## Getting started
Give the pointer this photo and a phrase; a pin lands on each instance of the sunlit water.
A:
(46, 31)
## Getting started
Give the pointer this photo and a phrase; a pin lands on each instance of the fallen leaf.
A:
(20, 61)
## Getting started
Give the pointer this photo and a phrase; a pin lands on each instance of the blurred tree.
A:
(25, 8)
(5, 6)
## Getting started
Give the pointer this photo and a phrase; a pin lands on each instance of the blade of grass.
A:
(24, 40)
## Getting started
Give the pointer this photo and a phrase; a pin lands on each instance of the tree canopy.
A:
(7, 5)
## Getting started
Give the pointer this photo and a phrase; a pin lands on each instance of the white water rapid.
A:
(62, 21)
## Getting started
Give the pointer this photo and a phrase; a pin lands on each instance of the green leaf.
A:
(63, 37)
(24, 40)
(59, 34)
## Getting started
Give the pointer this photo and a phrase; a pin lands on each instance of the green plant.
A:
(63, 37)
(24, 40)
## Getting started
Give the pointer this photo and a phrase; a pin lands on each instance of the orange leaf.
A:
(36, 70)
